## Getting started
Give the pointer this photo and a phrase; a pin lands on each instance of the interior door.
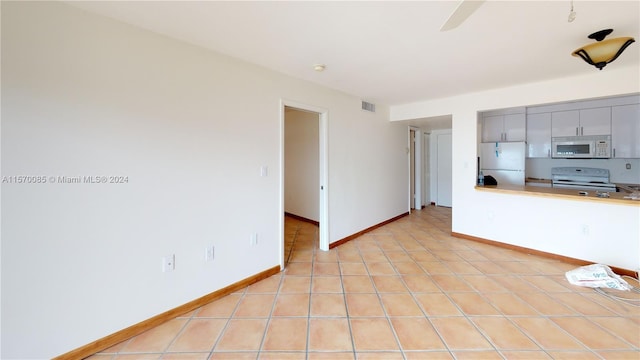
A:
(444, 158)
(412, 168)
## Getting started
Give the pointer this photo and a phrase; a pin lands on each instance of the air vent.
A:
(368, 106)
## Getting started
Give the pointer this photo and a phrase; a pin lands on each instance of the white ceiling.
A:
(392, 52)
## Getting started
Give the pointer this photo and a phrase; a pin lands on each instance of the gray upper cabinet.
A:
(539, 135)
(584, 122)
(625, 131)
(503, 127)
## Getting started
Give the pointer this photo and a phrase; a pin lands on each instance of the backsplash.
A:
(541, 168)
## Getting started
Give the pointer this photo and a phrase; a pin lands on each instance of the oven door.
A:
(573, 149)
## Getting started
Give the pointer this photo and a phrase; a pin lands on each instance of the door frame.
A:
(415, 201)
(323, 116)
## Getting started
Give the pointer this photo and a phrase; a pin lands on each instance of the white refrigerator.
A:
(504, 161)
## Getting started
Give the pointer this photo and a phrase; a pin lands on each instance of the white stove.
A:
(582, 178)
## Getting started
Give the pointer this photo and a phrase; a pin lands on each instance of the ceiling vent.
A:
(367, 106)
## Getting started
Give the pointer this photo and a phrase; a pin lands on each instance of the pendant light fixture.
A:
(602, 52)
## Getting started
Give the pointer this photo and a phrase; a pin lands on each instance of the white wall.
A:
(83, 95)
(302, 161)
(545, 224)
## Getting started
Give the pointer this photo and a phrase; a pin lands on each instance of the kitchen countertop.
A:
(615, 197)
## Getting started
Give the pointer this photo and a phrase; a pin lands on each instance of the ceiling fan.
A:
(461, 13)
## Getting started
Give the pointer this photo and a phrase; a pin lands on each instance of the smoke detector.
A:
(319, 67)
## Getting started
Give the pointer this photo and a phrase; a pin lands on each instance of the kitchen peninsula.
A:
(569, 194)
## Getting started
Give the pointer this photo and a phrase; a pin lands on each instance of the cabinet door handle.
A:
(577, 131)
(581, 130)
(549, 153)
(614, 152)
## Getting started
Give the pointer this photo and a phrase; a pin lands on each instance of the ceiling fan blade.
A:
(461, 13)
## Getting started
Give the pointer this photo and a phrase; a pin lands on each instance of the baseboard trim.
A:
(360, 233)
(570, 260)
(125, 334)
(298, 217)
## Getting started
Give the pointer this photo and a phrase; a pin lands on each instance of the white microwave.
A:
(581, 147)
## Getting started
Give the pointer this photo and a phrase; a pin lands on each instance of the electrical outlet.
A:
(208, 253)
(628, 166)
(585, 229)
(254, 239)
(169, 263)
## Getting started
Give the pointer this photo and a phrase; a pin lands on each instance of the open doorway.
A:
(304, 192)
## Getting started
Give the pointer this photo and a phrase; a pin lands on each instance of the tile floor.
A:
(407, 290)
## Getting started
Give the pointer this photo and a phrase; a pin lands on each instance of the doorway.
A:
(303, 180)
(415, 168)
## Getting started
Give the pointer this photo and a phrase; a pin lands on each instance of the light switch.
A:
(264, 171)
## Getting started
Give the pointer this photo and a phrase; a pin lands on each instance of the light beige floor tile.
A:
(286, 334)
(329, 334)
(428, 355)
(459, 334)
(547, 284)
(326, 284)
(590, 334)
(291, 305)
(295, 284)
(372, 334)
(546, 334)
(254, 306)
(359, 305)
(416, 333)
(381, 268)
(620, 355)
(353, 268)
(328, 305)
(451, 283)
(234, 356)
(400, 305)
(582, 304)
(408, 268)
(320, 269)
(546, 305)
(477, 355)
(185, 356)
(624, 328)
(483, 283)
(379, 355)
(357, 284)
(157, 339)
(137, 356)
(472, 303)
(223, 307)
(420, 283)
(576, 355)
(397, 255)
(346, 256)
(331, 356)
(437, 304)
(198, 335)
(327, 256)
(298, 268)
(503, 334)
(269, 285)
(242, 334)
(434, 268)
(510, 304)
(275, 355)
(386, 283)
(374, 256)
(525, 355)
